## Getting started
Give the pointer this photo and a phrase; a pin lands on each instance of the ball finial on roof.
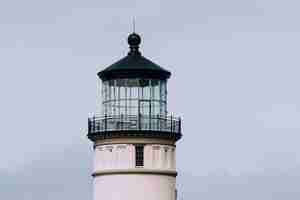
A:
(134, 39)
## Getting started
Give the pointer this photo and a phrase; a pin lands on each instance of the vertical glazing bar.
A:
(171, 123)
(160, 97)
(104, 94)
(166, 97)
(139, 105)
(102, 97)
(130, 100)
(150, 102)
(119, 99)
(126, 98)
(108, 99)
(115, 98)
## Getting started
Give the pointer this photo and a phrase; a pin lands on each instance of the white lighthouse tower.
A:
(134, 138)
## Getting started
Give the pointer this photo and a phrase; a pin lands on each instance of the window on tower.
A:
(139, 155)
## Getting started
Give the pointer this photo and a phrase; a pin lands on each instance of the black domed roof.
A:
(134, 65)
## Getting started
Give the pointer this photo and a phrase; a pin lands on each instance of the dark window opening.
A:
(139, 155)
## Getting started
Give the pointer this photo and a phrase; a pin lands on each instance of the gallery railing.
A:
(157, 123)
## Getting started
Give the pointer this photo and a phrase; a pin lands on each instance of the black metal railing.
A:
(157, 123)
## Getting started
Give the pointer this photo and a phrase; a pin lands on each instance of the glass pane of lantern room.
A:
(144, 107)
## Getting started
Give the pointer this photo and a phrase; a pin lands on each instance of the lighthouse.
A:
(134, 137)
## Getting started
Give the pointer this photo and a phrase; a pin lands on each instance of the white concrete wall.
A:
(134, 187)
(122, 156)
(118, 156)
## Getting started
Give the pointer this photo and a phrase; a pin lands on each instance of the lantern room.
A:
(134, 96)
(134, 99)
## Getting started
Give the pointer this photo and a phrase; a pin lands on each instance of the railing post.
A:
(150, 121)
(89, 126)
(179, 126)
(105, 122)
(139, 120)
(122, 122)
(165, 124)
(157, 122)
(94, 124)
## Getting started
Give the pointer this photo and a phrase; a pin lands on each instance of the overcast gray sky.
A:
(235, 82)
